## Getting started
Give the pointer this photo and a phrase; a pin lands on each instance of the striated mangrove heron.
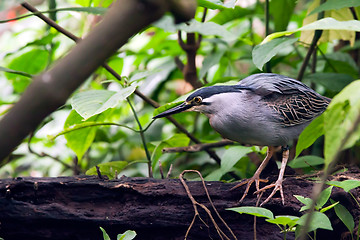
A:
(263, 109)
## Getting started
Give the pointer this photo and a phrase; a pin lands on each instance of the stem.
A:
(148, 156)
(267, 32)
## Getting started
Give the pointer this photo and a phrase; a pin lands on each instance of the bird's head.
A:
(204, 100)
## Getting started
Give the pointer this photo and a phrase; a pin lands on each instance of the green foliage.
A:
(255, 211)
(127, 235)
(109, 169)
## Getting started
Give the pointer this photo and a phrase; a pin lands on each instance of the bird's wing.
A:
(294, 102)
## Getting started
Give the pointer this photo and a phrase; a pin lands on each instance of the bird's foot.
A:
(249, 182)
(277, 187)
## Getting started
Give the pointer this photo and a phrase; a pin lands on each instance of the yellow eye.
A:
(197, 100)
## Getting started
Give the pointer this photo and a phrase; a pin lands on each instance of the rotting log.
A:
(75, 208)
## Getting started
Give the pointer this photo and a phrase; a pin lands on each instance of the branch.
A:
(51, 89)
(198, 147)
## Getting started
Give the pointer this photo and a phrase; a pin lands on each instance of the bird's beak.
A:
(180, 108)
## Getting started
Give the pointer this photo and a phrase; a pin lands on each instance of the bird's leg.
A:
(278, 184)
(256, 178)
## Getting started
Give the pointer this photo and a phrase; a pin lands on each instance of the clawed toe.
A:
(249, 182)
(277, 187)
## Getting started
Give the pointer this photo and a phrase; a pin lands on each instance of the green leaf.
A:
(312, 132)
(347, 185)
(230, 14)
(335, 4)
(108, 168)
(323, 197)
(281, 11)
(345, 216)
(318, 220)
(264, 52)
(329, 207)
(105, 235)
(127, 235)
(304, 200)
(32, 62)
(80, 140)
(255, 211)
(284, 220)
(331, 81)
(93, 102)
(211, 60)
(207, 29)
(306, 161)
(339, 118)
(211, 4)
(324, 24)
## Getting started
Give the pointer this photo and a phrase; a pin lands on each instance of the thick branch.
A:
(51, 89)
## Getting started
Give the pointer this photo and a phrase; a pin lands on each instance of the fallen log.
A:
(75, 208)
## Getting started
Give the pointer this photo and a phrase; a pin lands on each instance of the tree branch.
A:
(198, 147)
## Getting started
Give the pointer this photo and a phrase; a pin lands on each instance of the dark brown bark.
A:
(75, 208)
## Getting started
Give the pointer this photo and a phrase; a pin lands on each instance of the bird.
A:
(264, 109)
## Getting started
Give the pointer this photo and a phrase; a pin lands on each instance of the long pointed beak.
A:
(180, 108)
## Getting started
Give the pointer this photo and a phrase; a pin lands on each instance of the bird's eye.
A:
(197, 100)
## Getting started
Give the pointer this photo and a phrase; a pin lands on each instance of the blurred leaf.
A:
(105, 235)
(207, 29)
(31, 62)
(304, 200)
(318, 220)
(80, 140)
(312, 132)
(211, 60)
(339, 117)
(323, 197)
(108, 168)
(335, 4)
(281, 11)
(264, 52)
(331, 81)
(255, 211)
(127, 235)
(306, 161)
(284, 220)
(211, 4)
(230, 14)
(329, 207)
(345, 216)
(93, 102)
(3, 69)
(347, 185)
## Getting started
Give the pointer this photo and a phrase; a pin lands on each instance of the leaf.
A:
(211, 4)
(127, 235)
(329, 207)
(309, 135)
(105, 235)
(284, 220)
(230, 14)
(211, 60)
(108, 168)
(339, 118)
(306, 161)
(323, 197)
(207, 29)
(345, 216)
(79, 141)
(264, 52)
(322, 24)
(318, 220)
(93, 102)
(281, 11)
(347, 185)
(32, 62)
(334, 5)
(255, 211)
(304, 200)
(331, 81)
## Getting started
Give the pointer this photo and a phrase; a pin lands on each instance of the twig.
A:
(222, 235)
(267, 31)
(161, 170)
(198, 147)
(98, 172)
(153, 103)
(169, 172)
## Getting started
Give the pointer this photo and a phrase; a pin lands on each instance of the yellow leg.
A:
(256, 177)
(278, 184)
